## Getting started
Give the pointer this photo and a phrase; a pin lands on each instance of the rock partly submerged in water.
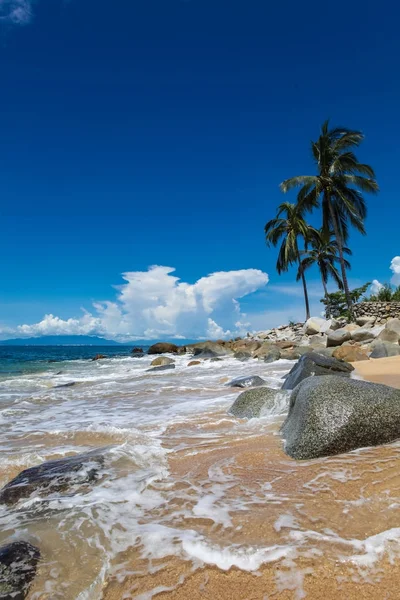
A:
(163, 348)
(247, 382)
(161, 361)
(313, 364)
(252, 403)
(160, 368)
(99, 357)
(54, 476)
(18, 564)
(210, 349)
(330, 415)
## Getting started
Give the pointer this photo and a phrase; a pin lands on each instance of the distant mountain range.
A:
(62, 340)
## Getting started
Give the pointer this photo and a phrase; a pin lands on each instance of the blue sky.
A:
(139, 133)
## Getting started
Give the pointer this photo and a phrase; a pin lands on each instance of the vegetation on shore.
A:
(337, 190)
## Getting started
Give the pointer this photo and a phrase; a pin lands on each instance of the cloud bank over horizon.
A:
(155, 304)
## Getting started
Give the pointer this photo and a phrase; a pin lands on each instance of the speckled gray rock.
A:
(18, 564)
(210, 350)
(381, 349)
(336, 338)
(247, 382)
(272, 354)
(161, 361)
(250, 403)
(54, 476)
(313, 364)
(330, 415)
(364, 335)
(160, 368)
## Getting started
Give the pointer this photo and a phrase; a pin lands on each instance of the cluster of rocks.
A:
(381, 311)
(329, 412)
(349, 342)
(19, 559)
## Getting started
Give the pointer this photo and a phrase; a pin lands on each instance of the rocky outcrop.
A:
(18, 565)
(247, 382)
(330, 415)
(161, 361)
(251, 403)
(137, 352)
(163, 348)
(315, 365)
(54, 476)
(350, 353)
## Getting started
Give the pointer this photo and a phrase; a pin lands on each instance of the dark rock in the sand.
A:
(18, 564)
(54, 476)
(313, 364)
(161, 361)
(210, 350)
(64, 385)
(381, 349)
(137, 350)
(247, 382)
(242, 355)
(330, 415)
(251, 403)
(160, 368)
(99, 357)
(163, 348)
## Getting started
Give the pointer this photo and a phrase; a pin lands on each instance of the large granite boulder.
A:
(381, 349)
(330, 415)
(163, 348)
(313, 325)
(247, 382)
(391, 332)
(295, 352)
(54, 476)
(18, 564)
(272, 354)
(242, 355)
(366, 321)
(350, 353)
(313, 364)
(364, 334)
(337, 337)
(211, 349)
(161, 361)
(245, 346)
(251, 403)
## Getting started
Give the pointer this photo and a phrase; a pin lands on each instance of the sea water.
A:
(184, 485)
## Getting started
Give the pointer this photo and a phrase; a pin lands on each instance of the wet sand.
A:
(326, 520)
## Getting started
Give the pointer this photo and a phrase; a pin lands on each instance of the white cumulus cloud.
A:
(375, 286)
(156, 304)
(395, 268)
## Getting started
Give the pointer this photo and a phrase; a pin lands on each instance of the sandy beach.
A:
(380, 370)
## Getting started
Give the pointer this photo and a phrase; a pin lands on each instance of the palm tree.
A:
(338, 186)
(288, 226)
(324, 253)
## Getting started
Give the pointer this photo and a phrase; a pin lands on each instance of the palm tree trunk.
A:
(303, 279)
(327, 311)
(341, 259)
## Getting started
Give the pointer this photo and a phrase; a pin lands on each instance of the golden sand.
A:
(380, 370)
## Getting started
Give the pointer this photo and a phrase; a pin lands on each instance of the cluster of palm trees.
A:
(337, 190)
